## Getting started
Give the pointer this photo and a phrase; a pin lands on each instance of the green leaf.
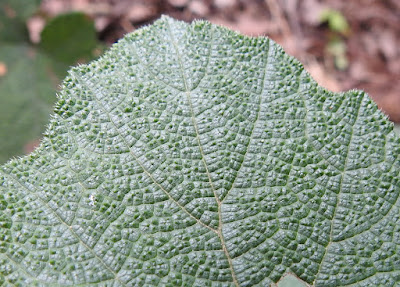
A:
(189, 155)
(27, 95)
(69, 37)
(336, 20)
(31, 75)
(12, 29)
(20, 9)
(13, 14)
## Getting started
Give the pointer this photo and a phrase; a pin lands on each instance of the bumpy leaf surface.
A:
(190, 155)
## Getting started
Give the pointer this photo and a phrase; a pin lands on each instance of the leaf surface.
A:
(189, 155)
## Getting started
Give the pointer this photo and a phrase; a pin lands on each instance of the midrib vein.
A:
(259, 104)
(219, 203)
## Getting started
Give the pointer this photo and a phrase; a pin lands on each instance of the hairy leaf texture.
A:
(190, 155)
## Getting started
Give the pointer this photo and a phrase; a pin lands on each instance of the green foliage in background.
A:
(69, 37)
(30, 74)
(339, 28)
(337, 22)
(27, 95)
(19, 10)
(190, 155)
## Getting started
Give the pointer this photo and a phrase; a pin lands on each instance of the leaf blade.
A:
(220, 163)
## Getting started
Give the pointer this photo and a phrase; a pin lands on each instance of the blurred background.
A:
(343, 44)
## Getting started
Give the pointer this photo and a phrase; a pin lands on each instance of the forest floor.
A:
(343, 44)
